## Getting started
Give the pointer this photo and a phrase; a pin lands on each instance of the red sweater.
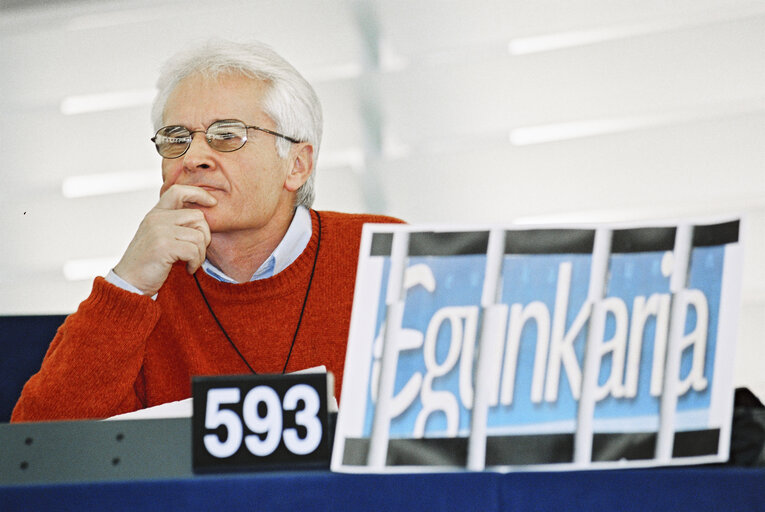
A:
(122, 351)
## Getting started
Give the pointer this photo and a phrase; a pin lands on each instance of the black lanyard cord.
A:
(302, 309)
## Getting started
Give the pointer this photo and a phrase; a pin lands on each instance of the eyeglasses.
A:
(226, 136)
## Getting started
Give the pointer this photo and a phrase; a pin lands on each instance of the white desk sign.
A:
(502, 348)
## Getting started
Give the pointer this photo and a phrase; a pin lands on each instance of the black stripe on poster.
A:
(716, 234)
(618, 446)
(529, 449)
(430, 243)
(500, 450)
(642, 446)
(694, 443)
(643, 240)
(549, 241)
(532, 449)
(381, 244)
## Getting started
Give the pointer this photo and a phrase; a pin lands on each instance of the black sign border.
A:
(243, 460)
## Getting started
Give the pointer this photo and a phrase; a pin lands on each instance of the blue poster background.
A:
(528, 278)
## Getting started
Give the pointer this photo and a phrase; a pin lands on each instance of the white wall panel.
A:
(46, 231)
(701, 166)
(685, 73)
(679, 86)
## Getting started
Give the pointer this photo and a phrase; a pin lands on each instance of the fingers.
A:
(172, 235)
(177, 195)
(167, 234)
(190, 252)
(189, 218)
(192, 247)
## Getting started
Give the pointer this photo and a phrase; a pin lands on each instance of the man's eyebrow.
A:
(181, 125)
(206, 125)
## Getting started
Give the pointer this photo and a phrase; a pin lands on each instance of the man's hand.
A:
(169, 233)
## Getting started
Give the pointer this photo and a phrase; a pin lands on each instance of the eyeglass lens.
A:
(225, 136)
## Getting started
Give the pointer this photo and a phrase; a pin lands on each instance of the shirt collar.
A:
(292, 245)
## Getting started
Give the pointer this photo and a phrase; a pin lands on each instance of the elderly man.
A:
(230, 272)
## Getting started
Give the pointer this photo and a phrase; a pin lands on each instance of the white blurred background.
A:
(436, 111)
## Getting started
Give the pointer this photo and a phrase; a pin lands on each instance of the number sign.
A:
(260, 422)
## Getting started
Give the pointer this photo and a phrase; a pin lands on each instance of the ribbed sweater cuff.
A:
(113, 304)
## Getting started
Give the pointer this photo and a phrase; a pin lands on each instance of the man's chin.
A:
(214, 222)
(207, 211)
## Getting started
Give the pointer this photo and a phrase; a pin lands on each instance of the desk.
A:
(146, 465)
(640, 490)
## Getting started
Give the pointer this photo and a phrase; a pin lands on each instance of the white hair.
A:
(290, 100)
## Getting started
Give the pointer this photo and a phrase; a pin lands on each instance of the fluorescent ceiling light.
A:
(526, 135)
(550, 42)
(680, 21)
(88, 268)
(569, 218)
(576, 129)
(100, 102)
(110, 183)
(346, 71)
(561, 40)
(712, 211)
(351, 157)
(113, 17)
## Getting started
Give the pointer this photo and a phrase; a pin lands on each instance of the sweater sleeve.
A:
(92, 366)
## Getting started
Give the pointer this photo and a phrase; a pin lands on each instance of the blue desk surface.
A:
(665, 489)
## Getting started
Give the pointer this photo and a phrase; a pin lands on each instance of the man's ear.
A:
(302, 167)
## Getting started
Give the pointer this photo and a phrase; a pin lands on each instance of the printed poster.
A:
(579, 328)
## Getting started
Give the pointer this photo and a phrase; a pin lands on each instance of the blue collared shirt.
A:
(295, 240)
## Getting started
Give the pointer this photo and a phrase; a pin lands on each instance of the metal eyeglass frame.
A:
(191, 136)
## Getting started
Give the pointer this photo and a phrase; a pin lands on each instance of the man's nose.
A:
(199, 155)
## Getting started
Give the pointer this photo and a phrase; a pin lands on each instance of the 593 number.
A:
(259, 422)
(271, 423)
